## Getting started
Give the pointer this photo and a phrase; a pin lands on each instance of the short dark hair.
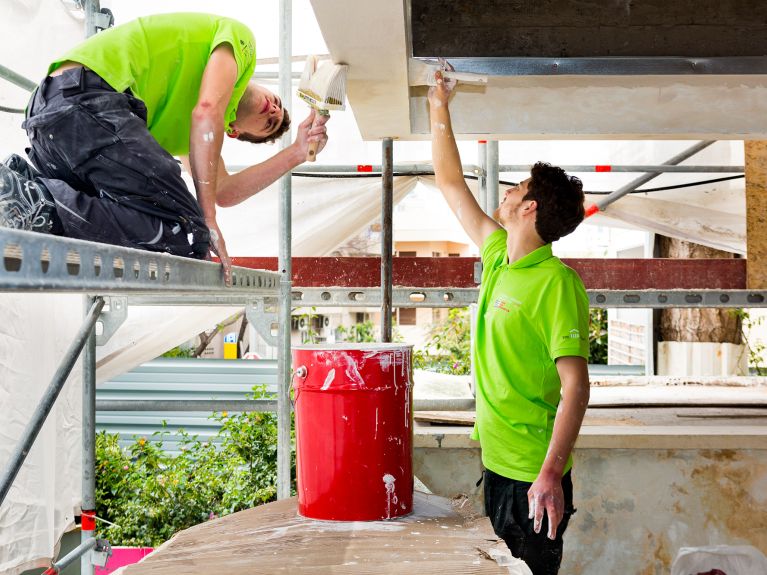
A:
(283, 127)
(559, 198)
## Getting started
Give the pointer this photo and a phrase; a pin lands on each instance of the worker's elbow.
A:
(205, 111)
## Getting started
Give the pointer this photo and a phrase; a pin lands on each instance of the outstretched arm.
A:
(447, 168)
(545, 494)
(205, 140)
(235, 188)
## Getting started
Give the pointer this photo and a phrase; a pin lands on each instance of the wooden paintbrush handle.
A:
(311, 154)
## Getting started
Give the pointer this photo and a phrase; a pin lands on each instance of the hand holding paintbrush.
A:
(324, 89)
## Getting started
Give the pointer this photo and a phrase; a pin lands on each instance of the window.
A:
(406, 315)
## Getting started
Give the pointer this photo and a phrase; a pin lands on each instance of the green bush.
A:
(598, 335)
(148, 495)
(363, 332)
(448, 349)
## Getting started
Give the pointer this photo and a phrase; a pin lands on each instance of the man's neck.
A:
(519, 244)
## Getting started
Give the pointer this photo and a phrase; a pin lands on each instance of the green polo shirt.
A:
(161, 59)
(529, 313)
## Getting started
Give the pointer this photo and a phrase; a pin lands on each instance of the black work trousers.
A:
(506, 506)
(111, 180)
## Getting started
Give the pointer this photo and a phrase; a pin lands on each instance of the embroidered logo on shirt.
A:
(506, 303)
(573, 334)
(247, 48)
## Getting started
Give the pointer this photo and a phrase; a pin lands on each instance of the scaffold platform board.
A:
(439, 537)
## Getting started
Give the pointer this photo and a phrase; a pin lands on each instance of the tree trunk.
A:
(697, 324)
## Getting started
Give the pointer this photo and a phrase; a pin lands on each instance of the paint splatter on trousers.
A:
(506, 506)
(111, 180)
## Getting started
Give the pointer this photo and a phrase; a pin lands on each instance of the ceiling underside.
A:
(601, 69)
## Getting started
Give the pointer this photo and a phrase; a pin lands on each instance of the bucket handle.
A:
(300, 372)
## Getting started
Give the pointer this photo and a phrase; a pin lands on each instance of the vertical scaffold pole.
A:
(482, 176)
(88, 517)
(387, 236)
(286, 269)
(88, 505)
(492, 176)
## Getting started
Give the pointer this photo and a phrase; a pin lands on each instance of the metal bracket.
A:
(262, 315)
(477, 272)
(111, 319)
(103, 19)
(101, 553)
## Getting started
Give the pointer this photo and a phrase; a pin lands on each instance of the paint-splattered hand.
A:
(440, 94)
(546, 496)
(218, 246)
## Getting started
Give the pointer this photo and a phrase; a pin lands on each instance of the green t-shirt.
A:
(529, 313)
(161, 59)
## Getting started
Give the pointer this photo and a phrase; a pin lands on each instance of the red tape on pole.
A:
(591, 210)
(603, 168)
(88, 521)
(364, 168)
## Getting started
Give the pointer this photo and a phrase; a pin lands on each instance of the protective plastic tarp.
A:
(725, 559)
(37, 328)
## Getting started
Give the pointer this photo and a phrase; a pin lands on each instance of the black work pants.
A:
(506, 506)
(111, 180)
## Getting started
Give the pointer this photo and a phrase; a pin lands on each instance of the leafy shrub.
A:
(364, 332)
(148, 495)
(598, 335)
(448, 349)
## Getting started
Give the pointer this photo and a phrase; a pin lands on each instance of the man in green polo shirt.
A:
(106, 123)
(531, 346)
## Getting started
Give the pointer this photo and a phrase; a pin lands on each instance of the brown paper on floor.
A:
(439, 537)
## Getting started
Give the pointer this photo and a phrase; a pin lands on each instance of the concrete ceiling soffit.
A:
(614, 74)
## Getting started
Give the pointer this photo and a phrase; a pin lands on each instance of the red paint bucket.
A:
(354, 431)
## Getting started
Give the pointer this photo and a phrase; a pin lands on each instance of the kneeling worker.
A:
(107, 121)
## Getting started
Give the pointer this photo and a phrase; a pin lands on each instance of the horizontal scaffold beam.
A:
(41, 262)
(597, 274)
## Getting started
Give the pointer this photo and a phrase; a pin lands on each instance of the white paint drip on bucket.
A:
(329, 379)
(391, 496)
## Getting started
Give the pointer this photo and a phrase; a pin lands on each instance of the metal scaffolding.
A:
(116, 277)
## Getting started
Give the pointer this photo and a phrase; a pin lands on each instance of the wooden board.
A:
(646, 416)
(440, 537)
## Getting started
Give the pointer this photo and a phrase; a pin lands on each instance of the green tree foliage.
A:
(448, 349)
(363, 332)
(148, 495)
(598, 335)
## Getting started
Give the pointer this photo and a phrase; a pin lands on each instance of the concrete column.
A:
(756, 214)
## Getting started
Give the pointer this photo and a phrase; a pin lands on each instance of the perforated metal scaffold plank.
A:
(40, 262)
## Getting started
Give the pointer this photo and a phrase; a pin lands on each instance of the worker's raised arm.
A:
(448, 171)
(206, 138)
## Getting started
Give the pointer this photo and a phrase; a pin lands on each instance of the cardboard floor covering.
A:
(439, 537)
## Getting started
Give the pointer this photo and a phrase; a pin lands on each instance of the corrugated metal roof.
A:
(179, 378)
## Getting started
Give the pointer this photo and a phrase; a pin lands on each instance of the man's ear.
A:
(531, 206)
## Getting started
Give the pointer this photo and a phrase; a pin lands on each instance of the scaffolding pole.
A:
(387, 239)
(285, 270)
(634, 184)
(48, 400)
(492, 176)
(88, 505)
(482, 174)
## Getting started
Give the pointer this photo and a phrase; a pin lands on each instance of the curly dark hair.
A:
(559, 198)
(284, 127)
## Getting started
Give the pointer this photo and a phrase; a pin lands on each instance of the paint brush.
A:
(323, 87)
(421, 73)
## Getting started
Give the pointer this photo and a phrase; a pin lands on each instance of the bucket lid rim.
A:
(350, 346)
